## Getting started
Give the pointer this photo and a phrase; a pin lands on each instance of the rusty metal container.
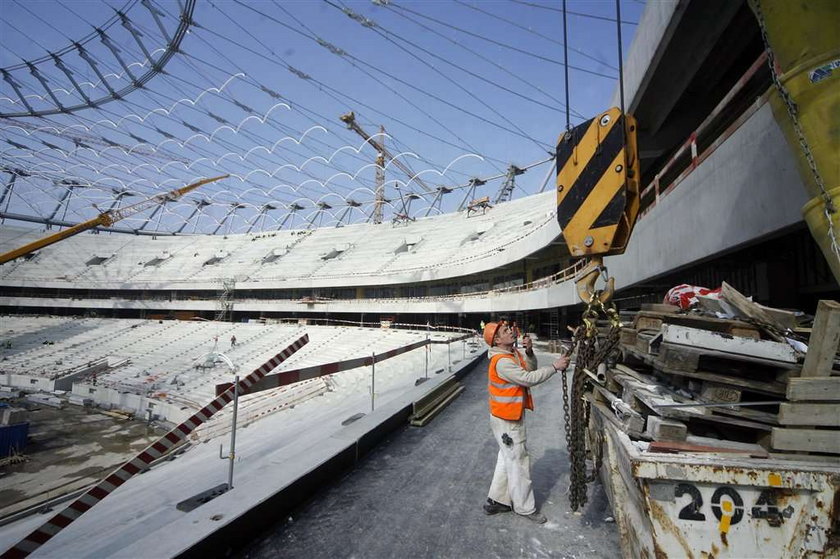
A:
(701, 506)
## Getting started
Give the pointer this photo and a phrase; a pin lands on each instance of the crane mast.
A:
(379, 197)
(350, 120)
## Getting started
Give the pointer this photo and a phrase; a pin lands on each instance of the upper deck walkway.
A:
(419, 494)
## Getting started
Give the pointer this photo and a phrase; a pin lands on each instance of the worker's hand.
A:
(561, 363)
(528, 344)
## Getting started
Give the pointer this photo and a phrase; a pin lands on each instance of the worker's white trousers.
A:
(512, 479)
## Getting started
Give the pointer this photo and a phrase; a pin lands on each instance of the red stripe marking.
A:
(146, 457)
(61, 521)
(77, 506)
(172, 437)
(15, 553)
(98, 493)
(114, 480)
(130, 468)
(38, 537)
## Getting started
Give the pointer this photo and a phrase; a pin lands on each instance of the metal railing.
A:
(689, 147)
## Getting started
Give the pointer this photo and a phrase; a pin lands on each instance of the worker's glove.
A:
(561, 363)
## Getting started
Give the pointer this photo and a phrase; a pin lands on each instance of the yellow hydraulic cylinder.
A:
(805, 45)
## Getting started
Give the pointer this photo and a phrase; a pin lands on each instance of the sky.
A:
(463, 89)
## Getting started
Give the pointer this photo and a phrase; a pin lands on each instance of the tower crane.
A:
(105, 219)
(350, 120)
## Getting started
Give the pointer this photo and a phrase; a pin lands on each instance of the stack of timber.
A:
(692, 382)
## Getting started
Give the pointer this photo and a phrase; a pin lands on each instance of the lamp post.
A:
(213, 357)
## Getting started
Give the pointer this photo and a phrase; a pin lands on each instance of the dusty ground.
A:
(419, 494)
(67, 450)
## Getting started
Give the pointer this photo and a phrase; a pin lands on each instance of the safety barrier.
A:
(140, 462)
(297, 375)
(658, 190)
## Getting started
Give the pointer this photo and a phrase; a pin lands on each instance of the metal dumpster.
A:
(700, 506)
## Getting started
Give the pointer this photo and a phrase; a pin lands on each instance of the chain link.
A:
(792, 109)
(592, 349)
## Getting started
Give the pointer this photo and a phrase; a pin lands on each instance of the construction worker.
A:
(510, 375)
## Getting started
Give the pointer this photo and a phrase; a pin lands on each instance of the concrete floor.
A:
(68, 449)
(419, 494)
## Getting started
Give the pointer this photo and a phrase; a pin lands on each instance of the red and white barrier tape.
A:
(297, 375)
(81, 505)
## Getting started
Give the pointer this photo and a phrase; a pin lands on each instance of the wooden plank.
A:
(726, 343)
(824, 340)
(814, 388)
(622, 368)
(643, 342)
(770, 387)
(713, 392)
(660, 307)
(783, 317)
(810, 414)
(627, 337)
(773, 386)
(660, 429)
(647, 322)
(688, 358)
(748, 413)
(724, 443)
(653, 321)
(807, 440)
(630, 420)
(678, 446)
(678, 358)
(609, 416)
(750, 309)
(649, 393)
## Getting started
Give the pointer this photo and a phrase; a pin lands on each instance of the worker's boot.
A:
(535, 516)
(494, 507)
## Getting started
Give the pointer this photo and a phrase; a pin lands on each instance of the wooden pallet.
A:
(649, 320)
(727, 361)
(810, 421)
(688, 364)
(646, 395)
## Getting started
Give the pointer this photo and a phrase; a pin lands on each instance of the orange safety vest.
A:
(507, 400)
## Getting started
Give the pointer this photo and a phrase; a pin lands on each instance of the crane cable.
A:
(566, 65)
(592, 349)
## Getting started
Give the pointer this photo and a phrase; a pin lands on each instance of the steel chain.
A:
(592, 350)
(566, 405)
(790, 105)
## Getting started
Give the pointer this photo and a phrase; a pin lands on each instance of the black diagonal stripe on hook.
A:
(612, 213)
(566, 148)
(592, 173)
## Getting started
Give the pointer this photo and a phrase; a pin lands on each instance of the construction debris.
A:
(744, 379)
(716, 428)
